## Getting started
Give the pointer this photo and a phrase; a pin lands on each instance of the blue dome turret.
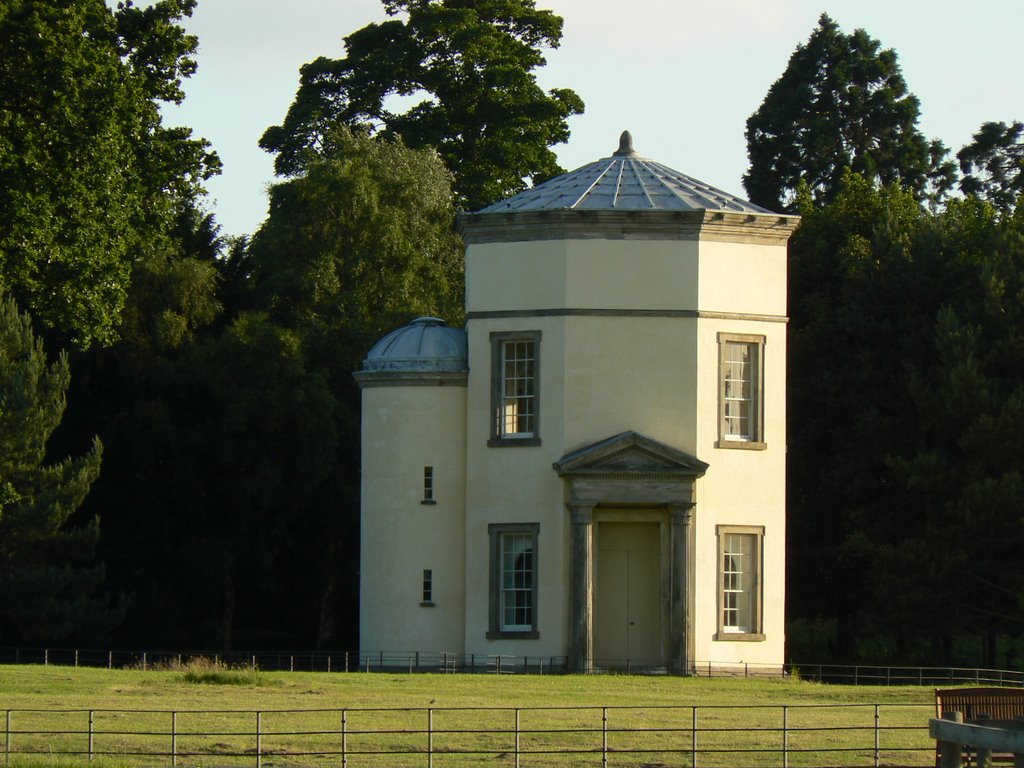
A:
(426, 345)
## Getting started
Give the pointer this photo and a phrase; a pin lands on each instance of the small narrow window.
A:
(428, 587)
(428, 485)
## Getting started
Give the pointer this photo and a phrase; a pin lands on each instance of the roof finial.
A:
(625, 145)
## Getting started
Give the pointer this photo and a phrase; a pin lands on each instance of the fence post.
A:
(46, 657)
(344, 737)
(517, 738)
(604, 737)
(855, 674)
(76, 658)
(785, 737)
(877, 735)
(90, 734)
(693, 740)
(259, 739)
(174, 738)
(430, 738)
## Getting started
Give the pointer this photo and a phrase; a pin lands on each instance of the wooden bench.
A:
(978, 705)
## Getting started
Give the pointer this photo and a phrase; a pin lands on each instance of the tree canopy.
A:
(89, 176)
(454, 75)
(905, 367)
(993, 164)
(842, 103)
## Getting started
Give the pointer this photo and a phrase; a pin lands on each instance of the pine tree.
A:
(48, 584)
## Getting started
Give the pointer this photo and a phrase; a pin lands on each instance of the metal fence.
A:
(862, 674)
(423, 661)
(705, 736)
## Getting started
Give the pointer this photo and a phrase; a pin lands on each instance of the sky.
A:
(682, 76)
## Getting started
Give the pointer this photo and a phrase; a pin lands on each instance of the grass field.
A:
(649, 719)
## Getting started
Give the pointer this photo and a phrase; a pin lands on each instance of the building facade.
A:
(600, 477)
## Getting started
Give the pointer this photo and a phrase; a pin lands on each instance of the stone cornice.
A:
(502, 314)
(719, 226)
(367, 379)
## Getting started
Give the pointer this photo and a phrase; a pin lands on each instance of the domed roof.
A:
(426, 345)
(624, 182)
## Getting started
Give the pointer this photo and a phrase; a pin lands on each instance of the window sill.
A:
(501, 635)
(743, 445)
(512, 442)
(428, 501)
(739, 637)
(427, 604)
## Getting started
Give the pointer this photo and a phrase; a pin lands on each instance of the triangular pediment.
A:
(629, 453)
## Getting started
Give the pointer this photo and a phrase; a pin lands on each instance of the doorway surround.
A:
(630, 471)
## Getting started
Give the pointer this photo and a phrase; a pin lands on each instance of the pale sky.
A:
(681, 75)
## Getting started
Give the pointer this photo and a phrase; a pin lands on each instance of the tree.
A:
(47, 586)
(993, 164)
(89, 177)
(905, 365)
(362, 240)
(228, 411)
(468, 66)
(841, 104)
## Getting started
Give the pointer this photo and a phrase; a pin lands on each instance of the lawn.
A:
(310, 718)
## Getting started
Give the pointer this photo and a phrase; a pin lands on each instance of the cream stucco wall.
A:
(741, 488)
(516, 485)
(605, 368)
(742, 277)
(582, 274)
(628, 342)
(404, 429)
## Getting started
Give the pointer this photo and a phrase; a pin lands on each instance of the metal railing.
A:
(705, 736)
(865, 674)
(427, 661)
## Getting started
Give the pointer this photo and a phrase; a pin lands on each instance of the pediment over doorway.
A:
(632, 454)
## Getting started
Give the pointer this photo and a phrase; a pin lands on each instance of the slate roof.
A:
(624, 182)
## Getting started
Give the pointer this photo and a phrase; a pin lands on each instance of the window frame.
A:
(428, 485)
(496, 627)
(756, 590)
(498, 437)
(428, 588)
(756, 440)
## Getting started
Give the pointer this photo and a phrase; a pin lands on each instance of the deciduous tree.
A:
(465, 75)
(89, 176)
